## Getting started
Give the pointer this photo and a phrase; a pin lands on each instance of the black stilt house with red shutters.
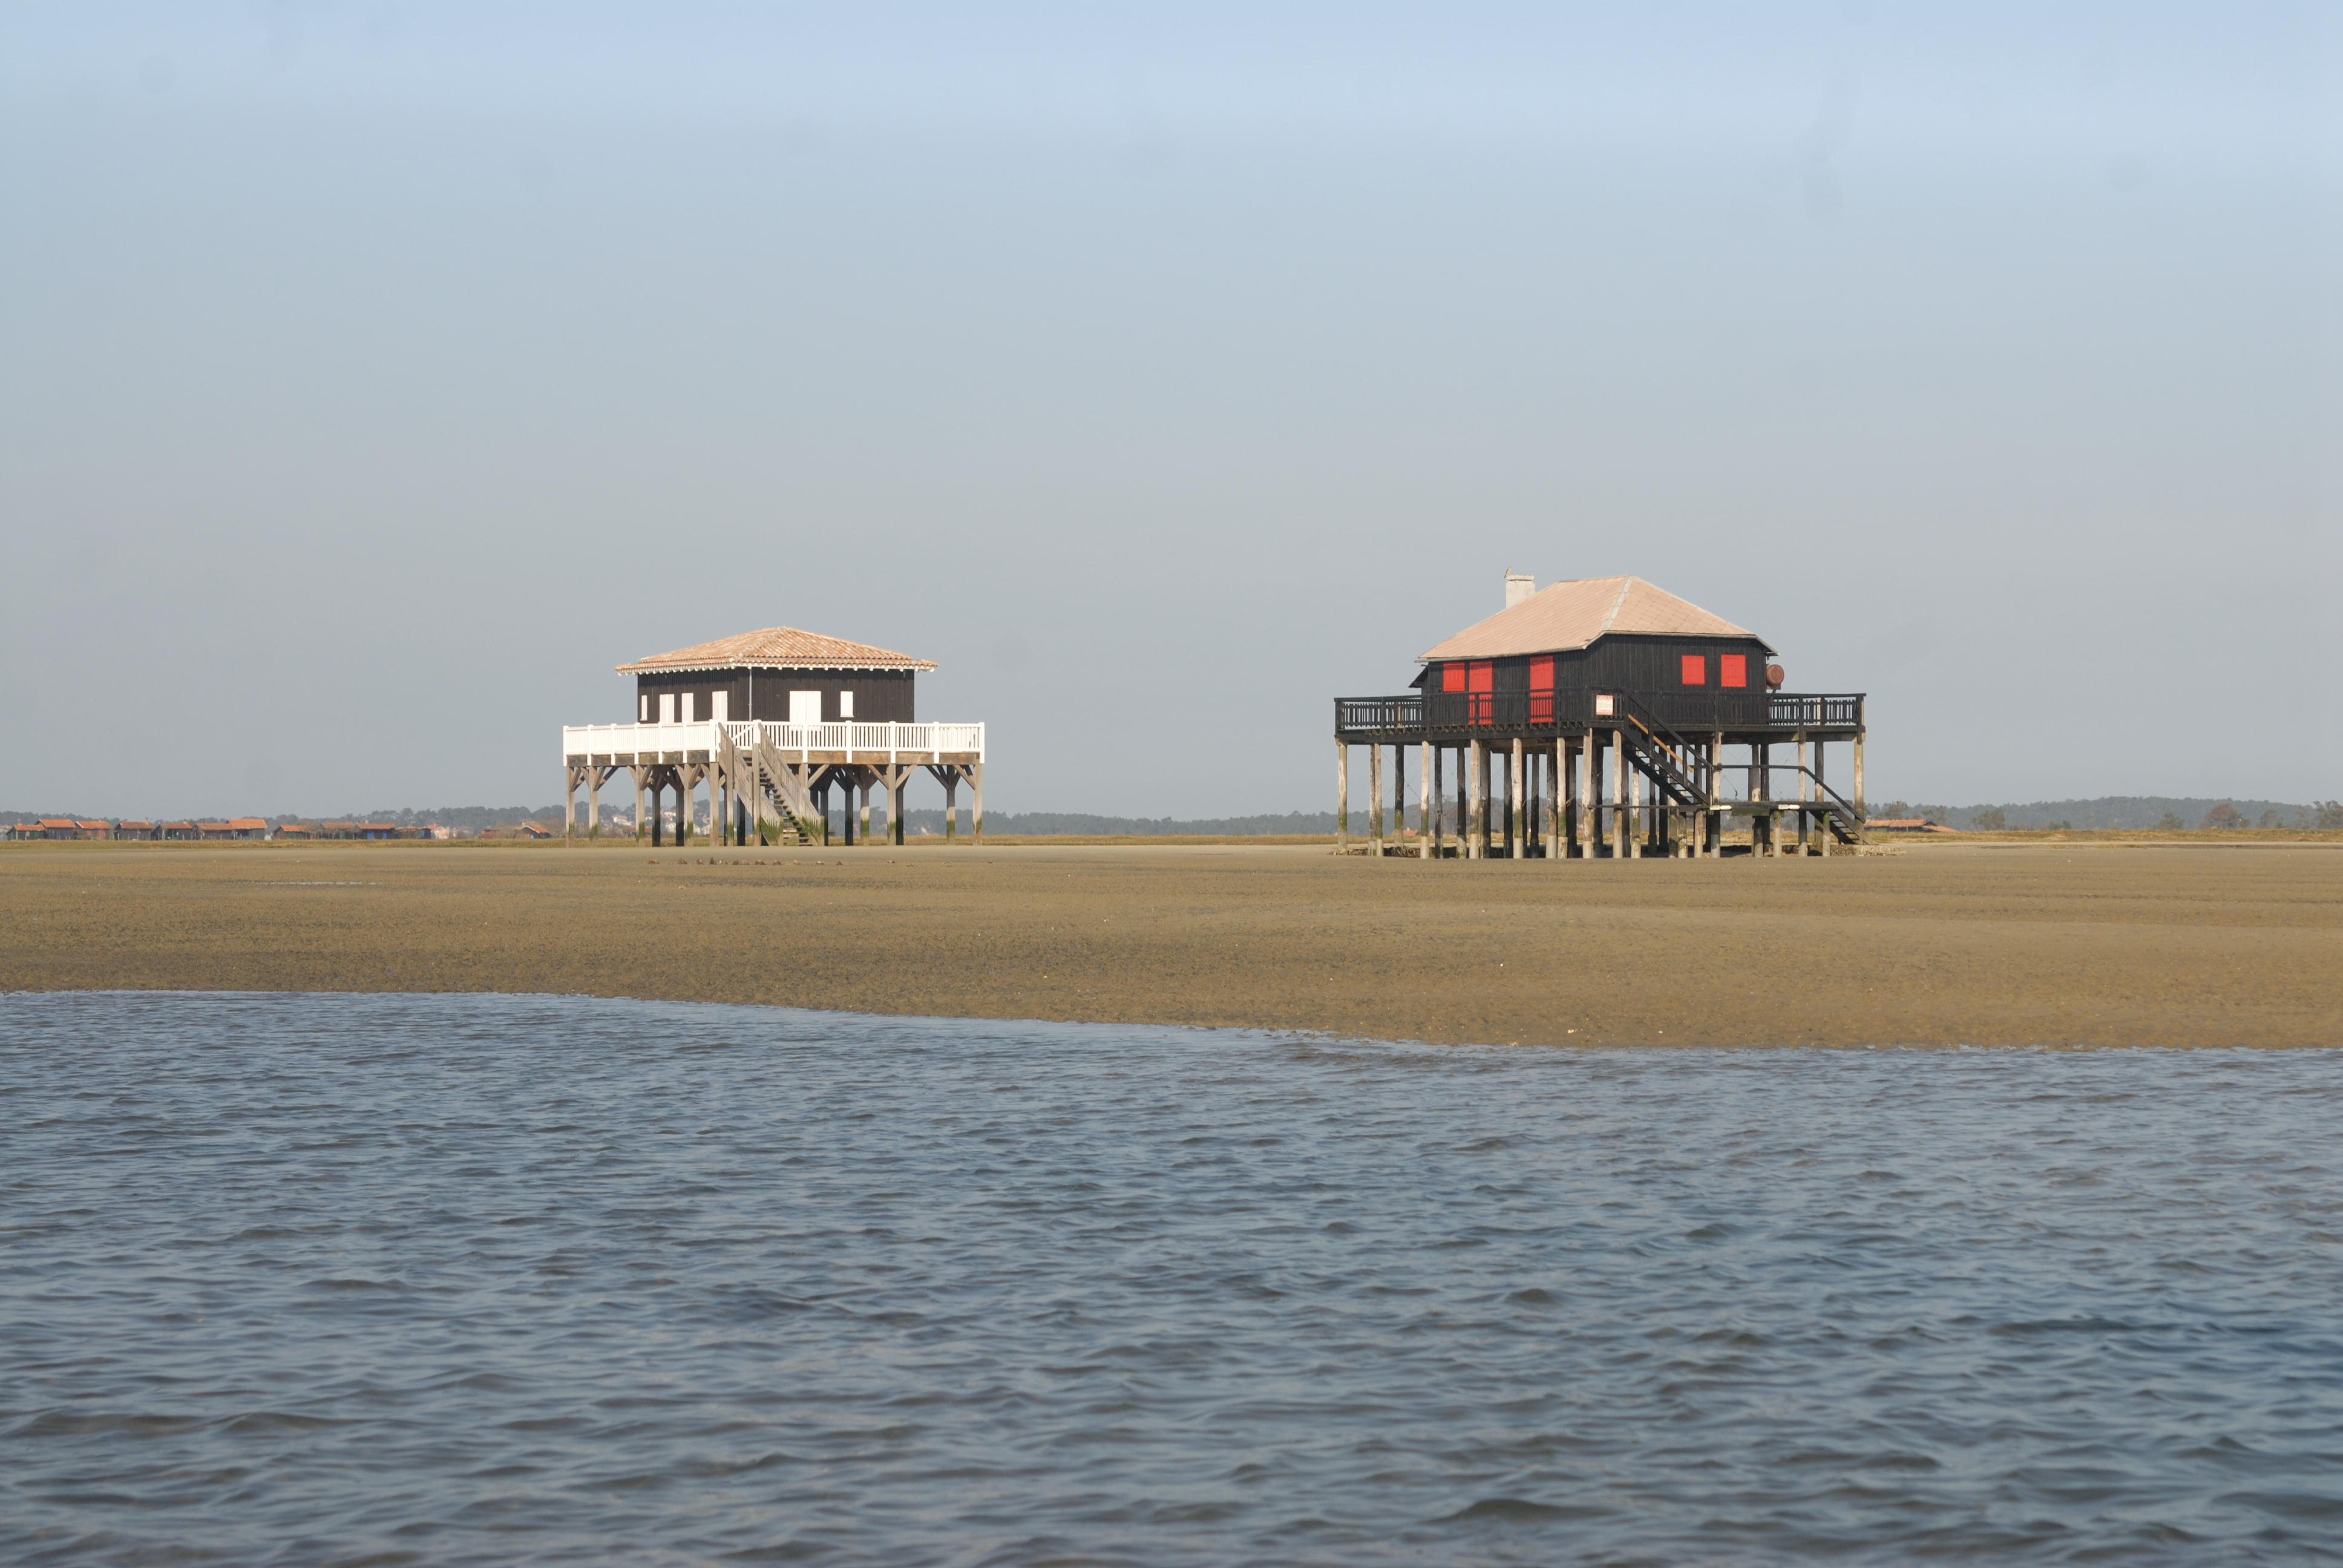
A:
(1594, 719)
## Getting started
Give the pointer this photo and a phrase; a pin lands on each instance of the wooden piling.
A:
(1426, 842)
(1476, 793)
(1341, 798)
(1517, 805)
(1375, 800)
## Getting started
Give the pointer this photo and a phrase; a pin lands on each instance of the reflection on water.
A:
(464, 1279)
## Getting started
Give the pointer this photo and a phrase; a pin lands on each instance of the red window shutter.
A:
(1451, 678)
(1482, 705)
(1695, 670)
(1731, 669)
(1542, 690)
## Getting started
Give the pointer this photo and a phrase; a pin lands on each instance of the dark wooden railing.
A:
(1697, 714)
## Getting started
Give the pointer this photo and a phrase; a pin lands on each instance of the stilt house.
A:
(1597, 719)
(772, 723)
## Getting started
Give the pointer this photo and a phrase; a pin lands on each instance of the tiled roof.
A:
(246, 822)
(780, 645)
(1571, 614)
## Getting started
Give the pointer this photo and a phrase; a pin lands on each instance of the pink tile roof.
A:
(1571, 614)
(779, 645)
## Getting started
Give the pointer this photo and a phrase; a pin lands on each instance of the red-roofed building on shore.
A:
(1592, 720)
(772, 723)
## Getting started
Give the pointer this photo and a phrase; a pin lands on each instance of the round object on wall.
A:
(1772, 678)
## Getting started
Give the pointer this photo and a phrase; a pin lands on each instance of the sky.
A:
(374, 378)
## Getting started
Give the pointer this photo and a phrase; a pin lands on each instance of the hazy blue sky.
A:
(373, 378)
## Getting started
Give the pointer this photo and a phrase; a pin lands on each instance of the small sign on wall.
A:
(1605, 705)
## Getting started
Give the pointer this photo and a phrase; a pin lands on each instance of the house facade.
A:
(1595, 719)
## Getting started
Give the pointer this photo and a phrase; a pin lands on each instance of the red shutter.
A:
(1695, 670)
(1731, 669)
(1451, 678)
(1542, 690)
(1483, 684)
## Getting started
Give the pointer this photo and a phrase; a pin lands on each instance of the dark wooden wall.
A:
(1651, 671)
(880, 696)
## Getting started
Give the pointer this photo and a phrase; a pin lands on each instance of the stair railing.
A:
(1670, 746)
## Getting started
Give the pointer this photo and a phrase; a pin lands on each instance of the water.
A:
(484, 1280)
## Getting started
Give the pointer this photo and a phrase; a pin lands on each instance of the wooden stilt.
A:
(1574, 764)
(1712, 835)
(1399, 797)
(1341, 798)
(1477, 788)
(1638, 830)
(1861, 811)
(1463, 809)
(1426, 835)
(1375, 800)
(1622, 830)
(1437, 782)
(1518, 804)
(976, 802)
(1805, 792)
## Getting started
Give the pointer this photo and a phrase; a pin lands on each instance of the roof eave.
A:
(644, 668)
(1426, 656)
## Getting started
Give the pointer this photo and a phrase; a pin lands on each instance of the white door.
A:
(723, 700)
(667, 707)
(805, 708)
(846, 705)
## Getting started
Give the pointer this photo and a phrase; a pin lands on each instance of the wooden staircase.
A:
(1670, 761)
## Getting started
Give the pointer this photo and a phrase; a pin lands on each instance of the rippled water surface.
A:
(395, 1279)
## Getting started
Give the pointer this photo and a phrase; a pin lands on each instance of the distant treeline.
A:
(2168, 813)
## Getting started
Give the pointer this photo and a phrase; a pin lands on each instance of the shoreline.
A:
(1918, 945)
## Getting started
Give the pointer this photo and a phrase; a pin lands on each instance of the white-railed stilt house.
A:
(1593, 720)
(773, 724)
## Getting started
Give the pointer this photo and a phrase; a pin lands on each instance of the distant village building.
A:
(146, 831)
(1595, 719)
(772, 723)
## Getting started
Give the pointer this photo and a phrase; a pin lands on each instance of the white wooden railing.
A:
(896, 742)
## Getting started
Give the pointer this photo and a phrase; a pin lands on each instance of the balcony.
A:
(630, 745)
(1456, 714)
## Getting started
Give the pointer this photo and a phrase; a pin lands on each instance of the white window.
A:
(667, 707)
(846, 705)
(684, 704)
(723, 700)
(643, 707)
(805, 708)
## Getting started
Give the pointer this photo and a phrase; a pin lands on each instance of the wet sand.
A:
(2034, 944)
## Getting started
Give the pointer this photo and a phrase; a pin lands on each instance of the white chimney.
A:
(1519, 585)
